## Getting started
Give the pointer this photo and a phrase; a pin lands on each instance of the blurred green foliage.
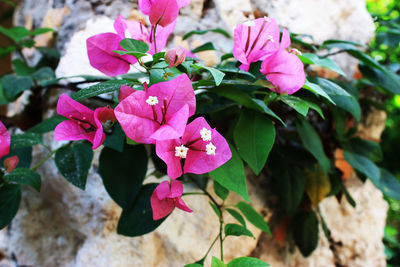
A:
(385, 48)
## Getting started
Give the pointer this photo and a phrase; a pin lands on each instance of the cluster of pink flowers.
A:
(5, 140)
(258, 40)
(159, 114)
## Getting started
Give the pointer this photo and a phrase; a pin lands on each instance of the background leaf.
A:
(253, 217)
(25, 176)
(247, 262)
(305, 232)
(10, 198)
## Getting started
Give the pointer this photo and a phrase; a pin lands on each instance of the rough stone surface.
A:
(64, 226)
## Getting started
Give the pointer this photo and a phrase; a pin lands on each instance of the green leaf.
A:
(221, 191)
(316, 89)
(243, 99)
(194, 265)
(296, 103)
(7, 50)
(25, 176)
(204, 47)
(237, 230)
(10, 198)
(253, 217)
(137, 55)
(123, 172)
(137, 219)
(25, 140)
(254, 137)
(215, 262)
(215, 209)
(15, 33)
(311, 141)
(363, 165)
(158, 56)
(305, 232)
(24, 155)
(237, 216)
(247, 262)
(132, 45)
(47, 125)
(42, 31)
(217, 74)
(389, 185)
(74, 161)
(341, 44)
(21, 69)
(201, 32)
(45, 76)
(309, 58)
(13, 85)
(231, 175)
(98, 89)
(367, 148)
(161, 75)
(115, 139)
(340, 96)
(288, 183)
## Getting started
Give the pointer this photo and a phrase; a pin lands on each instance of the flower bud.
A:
(175, 56)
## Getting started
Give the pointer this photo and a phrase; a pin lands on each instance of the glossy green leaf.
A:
(311, 141)
(131, 53)
(204, 47)
(305, 232)
(194, 265)
(74, 161)
(215, 209)
(132, 45)
(47, 125)
(25, 176)
(367, 148)
(254, 137)
(389, 185)
(235, 214)
(25, 140)
(340, 96)
(10, 198)
(98, 89)
(161, 75)
(137, 219)
(215, 262)
(237, 230)
(123, 172)
(13, 85)
(24, 155)
(217, 74)
(253, 217)
(45, 76)
(15, 33)
(309, 58)
(341, 44)
(221, 191)
(316, 89)
(247, 262)
(231, 175)
(201, 32)
(363, 165)
(40, 31)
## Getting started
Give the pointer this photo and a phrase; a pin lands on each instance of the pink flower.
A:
(5, 141)
(159, 112)
(145, 5)
(166, 197)
(255, 40)
(100, 47)
(163, 12)
(175, 56)
(203, 149)
(83, 123)
(139, 32)
(283, 69)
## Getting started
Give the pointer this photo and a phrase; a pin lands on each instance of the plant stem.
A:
(221, 239)
(154, 38)
(193, 193)
(44, 160)
(212, 244)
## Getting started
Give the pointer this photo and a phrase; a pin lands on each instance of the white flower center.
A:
(152, 100)
(210, 149)
(181, 151)
(249, 23)
(205, 134)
